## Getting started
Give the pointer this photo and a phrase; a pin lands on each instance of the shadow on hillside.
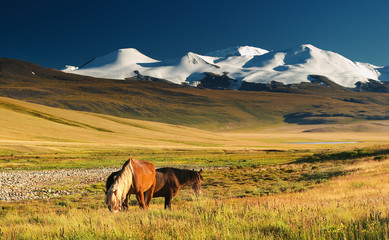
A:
(320, 176)
(352, 155)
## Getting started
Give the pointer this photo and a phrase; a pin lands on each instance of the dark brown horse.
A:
(136, 177)
(171, 180)
(168, 182)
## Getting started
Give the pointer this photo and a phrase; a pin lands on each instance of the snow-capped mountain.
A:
(190, 68)
(116, 65)
(248, 64)
(238, 51)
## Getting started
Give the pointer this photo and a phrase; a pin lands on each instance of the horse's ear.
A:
(200, 174)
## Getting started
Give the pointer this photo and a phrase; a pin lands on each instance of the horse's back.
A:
(166, 182)
(144, 173)
(144, 167)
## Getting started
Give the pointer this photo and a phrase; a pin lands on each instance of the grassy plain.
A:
(299, 195)
(260, 183)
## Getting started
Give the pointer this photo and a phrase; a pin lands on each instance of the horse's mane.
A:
(122, 182)
(111, 179)
(183, 175)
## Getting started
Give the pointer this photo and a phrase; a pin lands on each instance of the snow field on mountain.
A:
(250, 64)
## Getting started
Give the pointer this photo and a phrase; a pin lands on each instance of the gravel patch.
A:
(24, 185)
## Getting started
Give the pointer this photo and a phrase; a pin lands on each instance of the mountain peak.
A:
(307, 45)
(129, 51)
(303, 48)
(242, 63)
(130, 54)
(123, 56)
(238, 51)
(193, 58)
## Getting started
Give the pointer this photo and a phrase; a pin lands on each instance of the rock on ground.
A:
(23, 185)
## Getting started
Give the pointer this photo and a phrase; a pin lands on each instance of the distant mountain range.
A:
(162, 101)
(239, 68)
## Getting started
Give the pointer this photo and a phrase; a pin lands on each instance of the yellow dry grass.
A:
(32, 122)
(29, 127)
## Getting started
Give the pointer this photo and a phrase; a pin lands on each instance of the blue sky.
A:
(56, 33)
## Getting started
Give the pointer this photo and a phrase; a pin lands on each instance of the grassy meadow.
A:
(273, 194)
(259, 183)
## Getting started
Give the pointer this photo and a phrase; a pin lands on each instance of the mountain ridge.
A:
(166, 102)
(242, 63)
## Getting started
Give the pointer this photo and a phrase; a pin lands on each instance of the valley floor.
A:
(246, 193)
(283, 181)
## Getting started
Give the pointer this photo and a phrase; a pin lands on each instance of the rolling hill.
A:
(30, 128)
(26, 122)
(183, 105)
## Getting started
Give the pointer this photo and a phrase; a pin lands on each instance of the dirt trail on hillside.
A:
(24, 185)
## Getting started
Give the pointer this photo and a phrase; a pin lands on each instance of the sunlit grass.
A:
(343, 199)
(332, 211)
(199, 158)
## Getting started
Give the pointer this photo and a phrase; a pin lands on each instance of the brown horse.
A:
(171, 180)
(168, 182)
(136, 177)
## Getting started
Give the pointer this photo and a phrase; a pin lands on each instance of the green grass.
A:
(253, 195)
(95, 158)
(377, 153)
(255, 186)
(84, 217)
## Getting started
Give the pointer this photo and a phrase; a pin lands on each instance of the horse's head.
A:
(118, 185)
(113, 200)
(197, 182)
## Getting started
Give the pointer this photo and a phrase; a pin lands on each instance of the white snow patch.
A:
(243, 63)
(70, 68)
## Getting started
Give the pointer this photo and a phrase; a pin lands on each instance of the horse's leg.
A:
(126, 202)
(147, 198)
(141, 200)
(149, 194)
(168, 202)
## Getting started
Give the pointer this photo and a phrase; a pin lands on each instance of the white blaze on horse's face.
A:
(114, 208)
(113, 202)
